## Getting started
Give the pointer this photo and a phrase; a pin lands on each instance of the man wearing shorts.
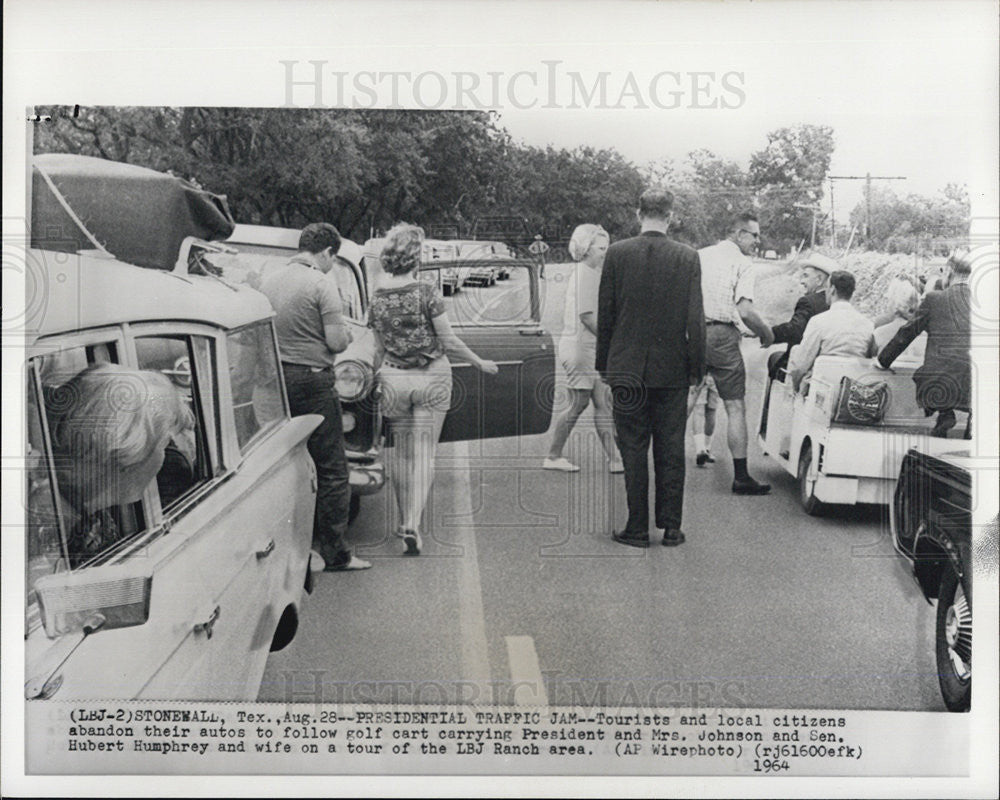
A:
(727, 283)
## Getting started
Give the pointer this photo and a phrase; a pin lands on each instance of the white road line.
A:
(525, 672)
(471, 618)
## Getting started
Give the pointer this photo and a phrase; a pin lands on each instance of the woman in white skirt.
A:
(578, 351)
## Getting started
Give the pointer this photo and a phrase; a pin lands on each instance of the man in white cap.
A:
(814, 275)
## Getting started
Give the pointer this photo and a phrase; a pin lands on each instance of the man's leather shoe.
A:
(945, 422)
(632, 540)
(703, 458)
(749, 486)
(672, 537)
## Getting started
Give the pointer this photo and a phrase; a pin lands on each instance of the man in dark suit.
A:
(944, 381)
(650, 349)
(814, 276)
(815, 272)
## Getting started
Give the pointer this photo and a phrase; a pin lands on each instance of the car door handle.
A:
(531, 332)
(207, 626)
(498, 363)
(268, 549)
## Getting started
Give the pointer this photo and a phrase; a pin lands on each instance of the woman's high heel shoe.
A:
(412, 541)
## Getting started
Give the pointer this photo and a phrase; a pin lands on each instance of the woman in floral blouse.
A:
(415, 339)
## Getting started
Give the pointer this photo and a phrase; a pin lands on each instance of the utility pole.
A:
(815, 210)
(867, 178)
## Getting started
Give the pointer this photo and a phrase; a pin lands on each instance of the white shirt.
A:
(581, 297)
(727, 277)
(840, 331)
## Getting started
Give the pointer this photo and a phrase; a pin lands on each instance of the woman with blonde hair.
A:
(414, 339)
(110, 429)
(578, 351)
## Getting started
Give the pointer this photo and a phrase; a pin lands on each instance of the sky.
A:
(909, 86)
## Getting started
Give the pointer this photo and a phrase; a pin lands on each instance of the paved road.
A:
(522, 597)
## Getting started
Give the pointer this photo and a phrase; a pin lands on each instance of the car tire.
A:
(953, 640)
(447, 290)
(355, 508)
(807, 496)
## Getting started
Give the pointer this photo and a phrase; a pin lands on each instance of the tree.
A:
(558, 189)
(907, 225)
(787, 173)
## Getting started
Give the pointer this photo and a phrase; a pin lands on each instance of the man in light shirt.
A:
(840, 331)
(727, 285)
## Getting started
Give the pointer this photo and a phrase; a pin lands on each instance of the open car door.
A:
(501, 323)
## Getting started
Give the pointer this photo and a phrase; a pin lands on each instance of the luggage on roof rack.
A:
(137, 215)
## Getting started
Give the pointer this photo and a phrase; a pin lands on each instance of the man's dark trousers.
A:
(314, 393)
(661, 415)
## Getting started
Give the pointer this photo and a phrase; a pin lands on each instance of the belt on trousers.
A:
(289, 365)
(718, 322)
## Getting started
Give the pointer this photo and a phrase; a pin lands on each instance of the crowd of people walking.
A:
(652, 336)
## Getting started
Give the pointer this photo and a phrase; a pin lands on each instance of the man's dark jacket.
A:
(807, 307)
(945, 379)
(650, 316)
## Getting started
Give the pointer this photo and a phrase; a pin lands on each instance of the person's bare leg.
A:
(604, 421)
(736, 427)
(736, 435)
(709, 426)
(427, 425)
(579, 398)
(399, 459)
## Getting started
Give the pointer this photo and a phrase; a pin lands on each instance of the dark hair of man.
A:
(317, 236)
(742, 219)
(842, 282)
(656, 202)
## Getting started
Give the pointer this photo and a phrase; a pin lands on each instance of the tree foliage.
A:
(364, 170)
(916, 223)
(788, 175)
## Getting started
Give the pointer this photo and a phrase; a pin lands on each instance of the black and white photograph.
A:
(596, 396)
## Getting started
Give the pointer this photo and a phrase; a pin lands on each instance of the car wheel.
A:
(953, 641)
(447, 290)
(355, 508)
(807, 484)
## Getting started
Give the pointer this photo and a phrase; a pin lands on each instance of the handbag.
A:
(861, 403)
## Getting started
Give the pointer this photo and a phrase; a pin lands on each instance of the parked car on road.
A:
(203, 575)
(932, 528)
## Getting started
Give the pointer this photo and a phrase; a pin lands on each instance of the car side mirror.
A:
(119, 593)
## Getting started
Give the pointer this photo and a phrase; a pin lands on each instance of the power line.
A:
(867, 178)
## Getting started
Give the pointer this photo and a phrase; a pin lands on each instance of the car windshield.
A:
(252, 268)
